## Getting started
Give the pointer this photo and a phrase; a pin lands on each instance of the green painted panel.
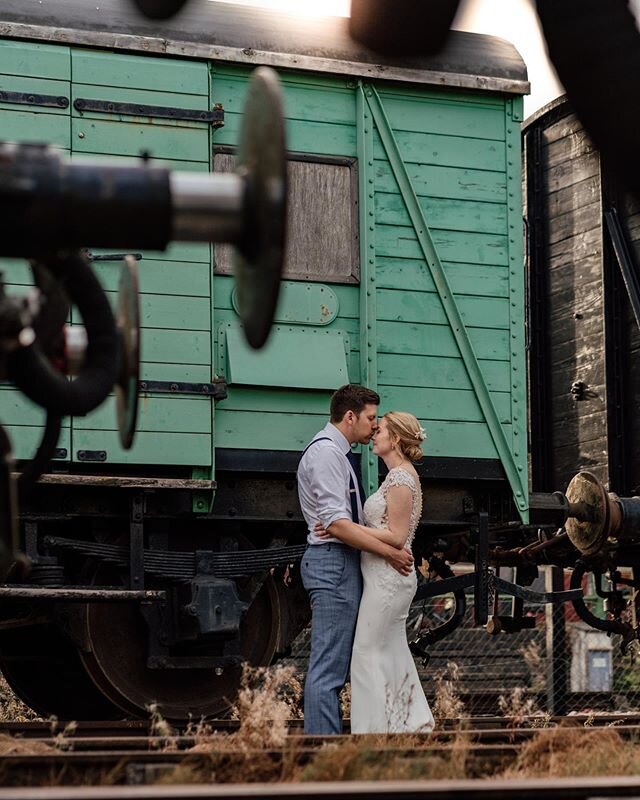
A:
(16, 409)
(442, 404)
(248, 430)
(444, 214)
(164, 413)
(434, 372)
(274, 399)
(167, 449)
(25, 440)
(451, 119)
(455, 246)
(349, 327)
(35, 60)
(160, 277)
(449, 151)
(134, 95)
(302, 303)
(471, 279)
(314, 100)
(463, 184)
(460, 439)
(131, 138)
(347, 298)
(143, 72)
(176, 347)
(314, 359)
(302, 136)
(481, 312)
(17, 271)
(189, 373)
(164, 311)
(438, 340)
(33, 126)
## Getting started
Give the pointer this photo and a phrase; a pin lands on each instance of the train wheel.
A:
(44, 670)
(117, 662)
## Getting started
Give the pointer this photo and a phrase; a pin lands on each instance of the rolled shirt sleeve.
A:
(328, 473)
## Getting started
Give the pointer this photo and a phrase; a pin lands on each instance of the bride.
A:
(386, 694)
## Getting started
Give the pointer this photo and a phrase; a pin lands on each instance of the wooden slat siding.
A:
(453, 246)
(437, 340)
(163, 448)
(322, 222)
(444, 403)
(175, 300)
(25, 59)
(434, 372)
(446, 182)
(469, 279)
(16, 409)
(459, 215)
(139, 71)
(322, 125)
(42, 70)
(457, 169)
(409, 306)
(578, 428)
(156, 412)
(631, 214)
(455, 151)
(26, 438)
(176, 278)
(320, 120)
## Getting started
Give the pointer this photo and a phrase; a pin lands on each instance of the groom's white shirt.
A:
(323, 482)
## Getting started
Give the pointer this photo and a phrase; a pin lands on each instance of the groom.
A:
(330, 492)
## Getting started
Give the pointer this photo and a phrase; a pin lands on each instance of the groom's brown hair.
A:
(351, 397)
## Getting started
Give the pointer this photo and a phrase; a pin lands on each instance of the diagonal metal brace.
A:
(506, 587)
(446, 586)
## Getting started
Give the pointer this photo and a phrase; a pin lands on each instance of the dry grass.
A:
(448, 704)
(12, 709)
(572, 752)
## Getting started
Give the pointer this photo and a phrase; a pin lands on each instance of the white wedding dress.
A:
(386, 694)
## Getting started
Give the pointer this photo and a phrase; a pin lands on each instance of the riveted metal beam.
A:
(516, 473)
(368, 313)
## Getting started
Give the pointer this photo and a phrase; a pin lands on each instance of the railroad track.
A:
(557, 789)
(129, 753)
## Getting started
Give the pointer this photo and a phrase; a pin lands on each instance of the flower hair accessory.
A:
(421, 434)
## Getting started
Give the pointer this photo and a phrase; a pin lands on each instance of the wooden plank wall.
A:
(575, 301)
(631, 213)
(175, 285)
(321, 120)
(455, 151)
(42, 69)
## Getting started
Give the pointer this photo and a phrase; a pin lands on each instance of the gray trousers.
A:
(331, 575)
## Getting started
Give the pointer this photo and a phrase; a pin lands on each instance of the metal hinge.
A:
(217, 389)
(215, 117)
(30, 99)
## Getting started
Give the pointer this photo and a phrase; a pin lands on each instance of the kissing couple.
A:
(359, 571)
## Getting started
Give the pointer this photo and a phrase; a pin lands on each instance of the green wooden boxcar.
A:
(404, 272)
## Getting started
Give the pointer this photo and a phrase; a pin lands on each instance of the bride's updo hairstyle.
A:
(409, 432)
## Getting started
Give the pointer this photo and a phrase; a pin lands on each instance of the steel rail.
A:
(531, 789)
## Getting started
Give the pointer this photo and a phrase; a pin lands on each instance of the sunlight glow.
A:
(310, 8)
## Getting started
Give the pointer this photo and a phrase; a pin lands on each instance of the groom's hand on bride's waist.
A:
(400, 560)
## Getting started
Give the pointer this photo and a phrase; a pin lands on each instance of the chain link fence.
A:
(558, 666)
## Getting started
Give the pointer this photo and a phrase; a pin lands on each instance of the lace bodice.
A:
(375, 508)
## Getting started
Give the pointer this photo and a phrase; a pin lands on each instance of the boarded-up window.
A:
(322, 231)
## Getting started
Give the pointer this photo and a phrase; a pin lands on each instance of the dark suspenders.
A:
(352, 488)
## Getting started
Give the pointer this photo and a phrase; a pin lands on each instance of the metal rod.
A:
(79, 595)
(207, 207)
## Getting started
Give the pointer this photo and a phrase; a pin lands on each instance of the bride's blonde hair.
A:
(410, 434)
